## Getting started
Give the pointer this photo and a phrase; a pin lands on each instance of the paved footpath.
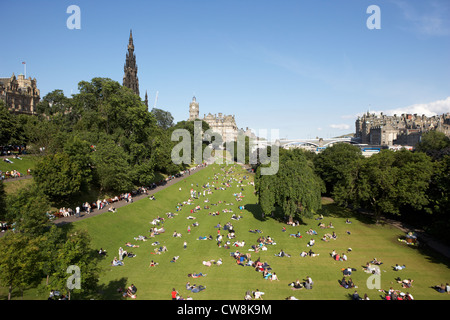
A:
(118, 204)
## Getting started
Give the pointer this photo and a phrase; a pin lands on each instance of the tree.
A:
(164, 119)
(2, 201)
(28, 208)
(75, 254)
(389, 181)
(54, 103)
(20, 262)
(112, 167)
(58, 176)
(8, 125)
(434, 143)
(335, 164)
(295, 188)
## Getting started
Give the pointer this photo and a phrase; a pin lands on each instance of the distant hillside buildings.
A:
(405, 129)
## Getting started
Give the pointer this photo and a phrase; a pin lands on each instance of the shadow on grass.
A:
(332, 210)
(255, 210)
(110, 291)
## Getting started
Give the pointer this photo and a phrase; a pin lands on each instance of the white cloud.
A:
(341, 126)
(429, 109)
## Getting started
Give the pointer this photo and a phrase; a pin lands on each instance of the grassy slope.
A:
(230, 281)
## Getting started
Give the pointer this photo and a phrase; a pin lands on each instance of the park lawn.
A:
(231, 281)
(27, 162)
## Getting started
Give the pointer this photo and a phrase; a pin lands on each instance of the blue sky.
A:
(306, 68)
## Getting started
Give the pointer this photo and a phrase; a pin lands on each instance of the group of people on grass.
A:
(245, 258)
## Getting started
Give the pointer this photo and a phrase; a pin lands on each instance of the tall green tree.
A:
(389, 181)
(112, 167)
(28, 209)
(335, 164)
(2, 201)
(295, 188)
(77, 271)
(8, 125)
(434, 143)
(20, 265)
(58, 176)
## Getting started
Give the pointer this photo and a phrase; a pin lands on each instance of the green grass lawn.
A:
(230, 281)
(27, 162)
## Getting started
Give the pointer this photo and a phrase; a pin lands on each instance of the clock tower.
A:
(193, 110)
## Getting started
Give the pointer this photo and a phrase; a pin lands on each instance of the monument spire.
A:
(130, 78)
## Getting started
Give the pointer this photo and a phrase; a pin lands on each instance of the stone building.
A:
(406, 129)
(225, 125)
(19, 94)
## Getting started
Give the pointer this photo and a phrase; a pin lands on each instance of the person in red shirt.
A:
(174, 294)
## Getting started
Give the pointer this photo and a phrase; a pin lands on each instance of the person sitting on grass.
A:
(267, 274)
(344, 283)
(131, 292)
(274, 277)
(308, 284)
(258, 294)
(117, 262)
(153, 264)
(248, 296)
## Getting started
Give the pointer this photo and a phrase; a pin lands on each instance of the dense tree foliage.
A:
(335, 166)
(295, 188)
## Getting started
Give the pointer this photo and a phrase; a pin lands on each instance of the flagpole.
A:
(25, 69)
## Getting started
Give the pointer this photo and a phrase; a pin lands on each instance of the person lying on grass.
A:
(296, 285)
(376, 262)
(211, 262)
(407, 283)
(196, 275)
(398, 268)
(128, 244)
(283, 254)
(296, 235)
